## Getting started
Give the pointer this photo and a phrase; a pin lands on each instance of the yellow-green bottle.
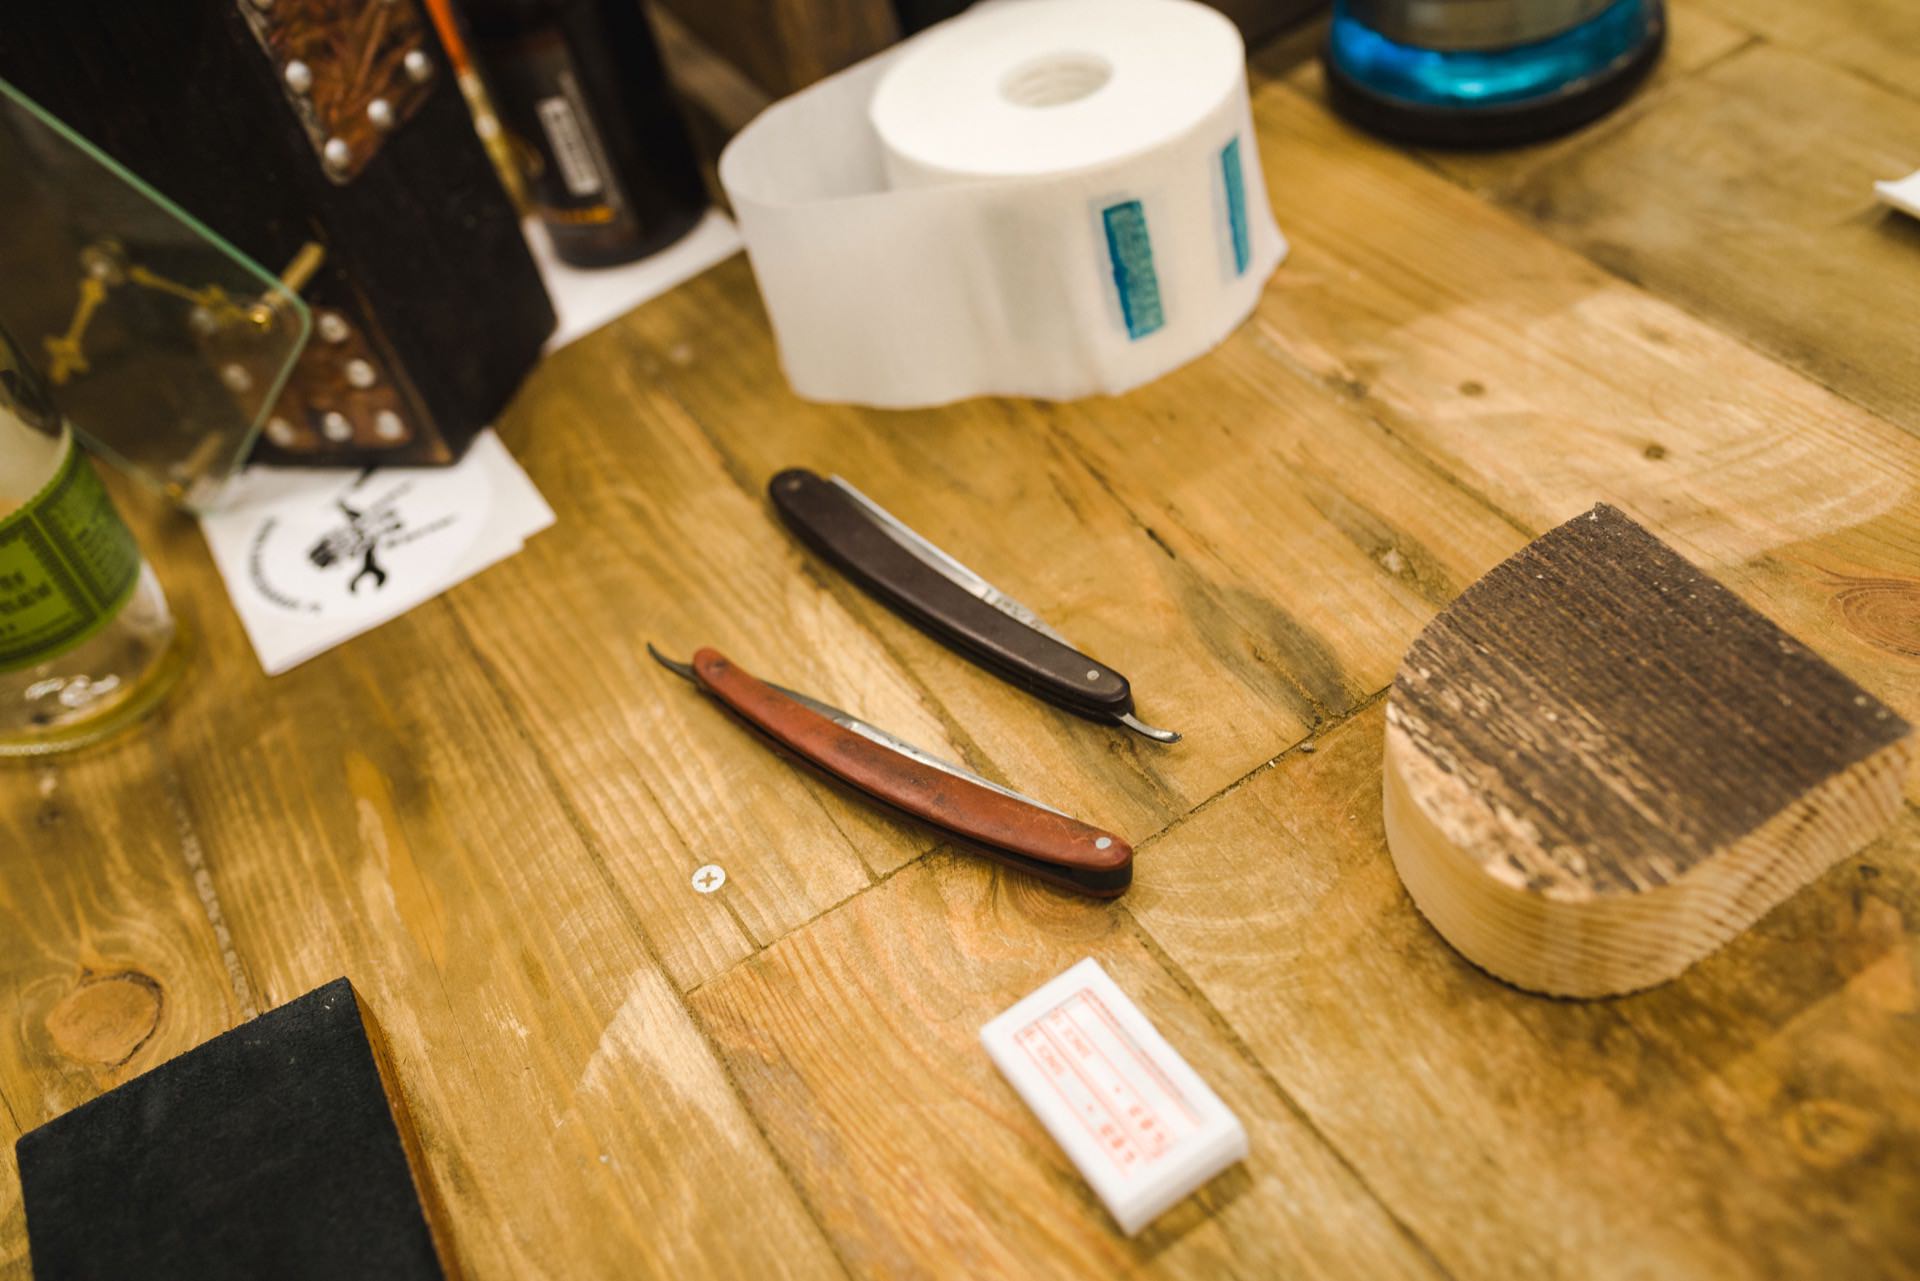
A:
(87, 643)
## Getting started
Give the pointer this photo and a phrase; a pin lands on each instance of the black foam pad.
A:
(270, 1151)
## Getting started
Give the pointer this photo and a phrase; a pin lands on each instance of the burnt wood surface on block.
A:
(1602, 763)
(269, 1151)
(425, 261)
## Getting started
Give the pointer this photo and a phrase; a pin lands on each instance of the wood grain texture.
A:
(1745, 1120)
(1539, 385)
(923, 1162)
(488, 812)
(113, 957)
(386, 820)
(1601, 764)
(1241, 612)
(788, 44)
(656, 542)
(1876, 39)
(1748, 199)
(1696, 38)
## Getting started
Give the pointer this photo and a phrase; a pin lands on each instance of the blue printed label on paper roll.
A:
(1236, 206)
(1132, 253)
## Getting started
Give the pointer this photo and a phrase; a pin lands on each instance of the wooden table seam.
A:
(1225, 1028)
(772, 1149)
(589, 839)
(1144, 844)
(860, 607)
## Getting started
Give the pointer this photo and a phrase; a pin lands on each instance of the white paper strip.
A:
(1040, 197)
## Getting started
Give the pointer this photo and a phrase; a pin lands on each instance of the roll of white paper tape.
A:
(1047, 198)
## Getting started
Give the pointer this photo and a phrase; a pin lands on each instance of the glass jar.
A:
(87, 643)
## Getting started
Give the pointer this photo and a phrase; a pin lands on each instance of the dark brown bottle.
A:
(580, 85)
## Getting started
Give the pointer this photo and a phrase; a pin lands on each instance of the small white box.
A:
(1142, 1127)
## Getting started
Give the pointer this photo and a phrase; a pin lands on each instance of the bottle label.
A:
(572, 154)
(542, 101)
(68, 563)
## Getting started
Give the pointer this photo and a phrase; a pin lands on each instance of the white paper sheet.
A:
(585, 299)
(314, 558)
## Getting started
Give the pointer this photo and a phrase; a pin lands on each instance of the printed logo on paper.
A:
(373, 539)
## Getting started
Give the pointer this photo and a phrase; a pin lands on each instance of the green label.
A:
(67, 565)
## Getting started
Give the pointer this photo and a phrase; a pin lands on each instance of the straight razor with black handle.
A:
(948, 601)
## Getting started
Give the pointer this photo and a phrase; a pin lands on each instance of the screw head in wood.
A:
(380, 113)
(280, 432)
(388, 425)
(332, 326)
(298, 75)
(337, 154)
(418, 66)
(236, 378)
(361, 374)
(335, 427)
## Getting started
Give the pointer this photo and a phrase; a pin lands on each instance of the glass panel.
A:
(164, 345)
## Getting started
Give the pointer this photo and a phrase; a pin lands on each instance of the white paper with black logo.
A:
(1050, 198)
(314, 558)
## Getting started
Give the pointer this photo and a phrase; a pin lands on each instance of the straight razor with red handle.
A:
(982, 815)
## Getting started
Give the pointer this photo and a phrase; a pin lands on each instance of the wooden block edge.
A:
(1610, 944)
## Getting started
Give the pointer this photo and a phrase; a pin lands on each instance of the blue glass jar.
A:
(1487, 72)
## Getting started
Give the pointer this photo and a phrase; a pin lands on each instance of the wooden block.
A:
(272, 1150)
(1601, 764)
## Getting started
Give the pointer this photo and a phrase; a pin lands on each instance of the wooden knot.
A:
(1884, 612)
(1828, 1134)
(106, 1018)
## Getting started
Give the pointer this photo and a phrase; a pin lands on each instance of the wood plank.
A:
(111, 959)
(389, 819)
(1225, 541)
(654, 541)
(1879, 39)
(14, 1260)
(1696, 38)
(788, 44)
(1759, 216)
(1541, 385)
(856, 1042)
(1755, 1117)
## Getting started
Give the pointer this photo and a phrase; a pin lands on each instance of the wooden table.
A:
(488, 813)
